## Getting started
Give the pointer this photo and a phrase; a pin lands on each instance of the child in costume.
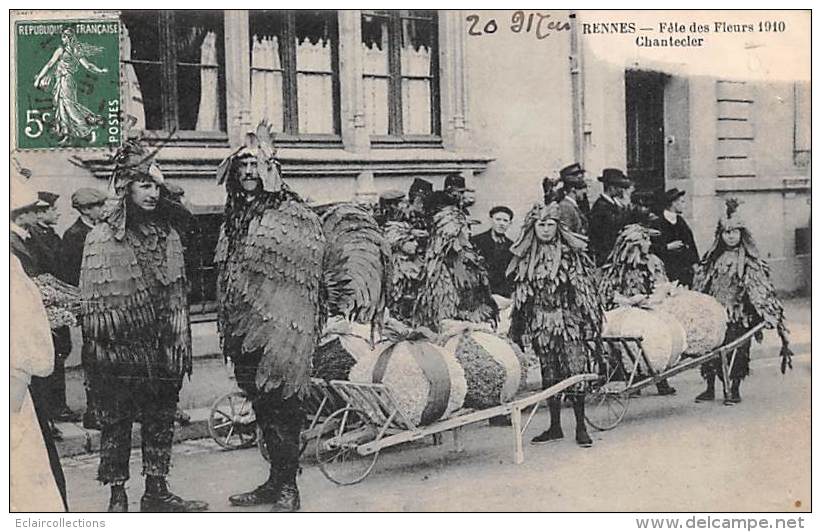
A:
(631, 275)
(407, 268)
(556, 304)
(734, 273)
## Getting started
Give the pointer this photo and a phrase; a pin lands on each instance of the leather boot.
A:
(118, 503)
(288, 500)
(265, 493)
(664, 388)
(735, 392)
(710, 393)
(554, 433)
(158, 498)
(582, 437)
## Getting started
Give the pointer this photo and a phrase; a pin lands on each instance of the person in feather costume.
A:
(632, 273)
(281, 271)
(734, 273)
(556, 304)
(136, 329)
(454, 284)
(407, 268)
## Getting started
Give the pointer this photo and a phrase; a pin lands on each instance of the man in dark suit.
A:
(607, 217)
(89, 203)
(575, 195)
(45, 245)
(494, 246)
(675, 245)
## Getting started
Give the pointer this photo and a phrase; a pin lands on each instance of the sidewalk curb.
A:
(77, 440)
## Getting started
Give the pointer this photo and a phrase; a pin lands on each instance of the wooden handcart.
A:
(623, 370)
(350, 439)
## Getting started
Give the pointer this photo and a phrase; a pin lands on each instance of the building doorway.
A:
(644, 107)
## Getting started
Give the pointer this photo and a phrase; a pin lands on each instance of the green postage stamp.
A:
(68, 84)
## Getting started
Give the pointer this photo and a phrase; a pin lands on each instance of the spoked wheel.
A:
(336, 447)
(606, 407)
(232, 423)
(607, 402)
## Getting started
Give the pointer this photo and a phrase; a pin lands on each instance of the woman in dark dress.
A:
(675, 244)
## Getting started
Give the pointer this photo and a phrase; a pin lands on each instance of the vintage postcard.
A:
(409, 260)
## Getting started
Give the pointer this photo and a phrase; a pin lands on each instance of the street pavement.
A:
(669, 454)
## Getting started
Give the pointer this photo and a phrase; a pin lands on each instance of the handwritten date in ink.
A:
(541, 25)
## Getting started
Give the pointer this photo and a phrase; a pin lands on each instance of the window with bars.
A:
(401, 74)
(174, 67)
(295, 71)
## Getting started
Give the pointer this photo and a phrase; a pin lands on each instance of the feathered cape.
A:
(269, 287)
(135, 316)
(455, 284)
(554, 299)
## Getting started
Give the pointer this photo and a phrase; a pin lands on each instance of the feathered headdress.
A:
(133, 161)
(730, 220)
(259, 145)
(627, 249)
(542, 211)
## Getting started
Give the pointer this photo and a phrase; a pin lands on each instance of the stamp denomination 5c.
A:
(68, 90)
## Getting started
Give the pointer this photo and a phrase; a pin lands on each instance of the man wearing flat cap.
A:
(607, 217)
(675, 245)
(45, 245)
(575, 195)
(494, 246)
(89, 203)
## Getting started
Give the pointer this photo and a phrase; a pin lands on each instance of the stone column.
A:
(352, 105)
(703, 171)
(452, 80)
(237, 75)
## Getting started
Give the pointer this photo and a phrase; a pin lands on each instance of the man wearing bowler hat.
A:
(607, 216)
(675, 245)
(494, 246)
(451, 194)
(575, 195)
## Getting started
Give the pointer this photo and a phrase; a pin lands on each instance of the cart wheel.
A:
(606, 403)
(336, 447)
(231, 423)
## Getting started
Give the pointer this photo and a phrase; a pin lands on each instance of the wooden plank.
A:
(735, 129)
(516, 425)
(733, 90)
(734, 109)
(480, 415)
(735, 167)
(734, 148)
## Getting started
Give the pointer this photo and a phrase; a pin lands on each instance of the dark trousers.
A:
(280, 418)
(40, 400)
(119, 402)
(741, 367)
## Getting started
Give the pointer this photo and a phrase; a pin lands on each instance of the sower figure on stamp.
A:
(269, 288)
(734, 273)
(136, 329)
(556, 304)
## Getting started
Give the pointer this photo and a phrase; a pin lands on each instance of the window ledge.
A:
(760, 184)
(309, 161)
